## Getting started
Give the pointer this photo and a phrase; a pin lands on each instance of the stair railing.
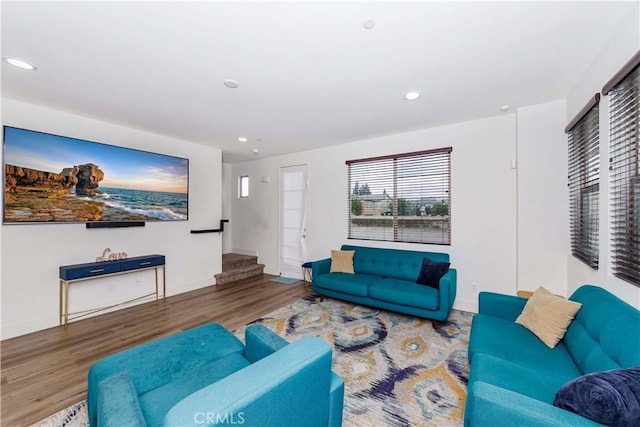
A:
(220, 229)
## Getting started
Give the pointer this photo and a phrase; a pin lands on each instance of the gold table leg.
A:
(66, 304)
(60, 305)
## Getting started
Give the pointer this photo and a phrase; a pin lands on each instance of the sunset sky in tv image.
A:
(123, 167)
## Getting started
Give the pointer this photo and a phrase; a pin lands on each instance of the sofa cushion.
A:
(394, 263)
(610, 397)
(404, 292)
(514, 343)
(353, 284)
(515, 377)
(604, 334)
(548, 316)
(431, 272)
(157, 402)
(342, 262)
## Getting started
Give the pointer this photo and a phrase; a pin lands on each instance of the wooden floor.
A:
(46, 371)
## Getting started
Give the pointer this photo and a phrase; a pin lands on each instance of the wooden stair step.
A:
(241, 273)
(236, 261)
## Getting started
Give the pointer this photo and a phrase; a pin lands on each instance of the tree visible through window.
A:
(401, 198)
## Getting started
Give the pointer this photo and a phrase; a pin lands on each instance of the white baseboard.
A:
(51, 320)
(268, 270)
(464, 305)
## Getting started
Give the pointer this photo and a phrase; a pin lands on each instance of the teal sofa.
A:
(515, 376)
(205, 376)
(386, 279)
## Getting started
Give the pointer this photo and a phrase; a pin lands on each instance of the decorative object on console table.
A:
(108, 256)
(81, 272)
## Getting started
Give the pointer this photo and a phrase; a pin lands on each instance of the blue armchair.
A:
(205, 376)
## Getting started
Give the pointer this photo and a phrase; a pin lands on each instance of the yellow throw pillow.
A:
(548, 316)
(342, 261)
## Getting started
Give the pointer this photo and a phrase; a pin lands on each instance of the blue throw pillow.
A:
(431, 272)
(610, 397)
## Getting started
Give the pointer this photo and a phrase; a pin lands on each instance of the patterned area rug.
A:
(398, 370)
(74, 416)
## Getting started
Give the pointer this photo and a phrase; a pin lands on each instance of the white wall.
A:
(31, 254)
(483, 201)
(619, 49)
(228, 194)
(543, 207)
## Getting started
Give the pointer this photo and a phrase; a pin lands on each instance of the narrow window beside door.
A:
(243, 186)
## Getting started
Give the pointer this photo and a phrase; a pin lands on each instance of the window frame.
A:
(583, 134)
(439, 160)
(623, 91)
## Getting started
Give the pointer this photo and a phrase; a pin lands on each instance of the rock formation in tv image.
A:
(72, 195)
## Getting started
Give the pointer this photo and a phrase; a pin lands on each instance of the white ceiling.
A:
(310, 75)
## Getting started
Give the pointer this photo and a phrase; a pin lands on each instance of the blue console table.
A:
(75, 273)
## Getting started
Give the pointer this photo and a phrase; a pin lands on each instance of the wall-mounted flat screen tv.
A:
(50, 178)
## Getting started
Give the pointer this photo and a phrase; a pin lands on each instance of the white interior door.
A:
(293, 220)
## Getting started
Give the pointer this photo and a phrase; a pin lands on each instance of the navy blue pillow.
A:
(610, 397)
(431, 272)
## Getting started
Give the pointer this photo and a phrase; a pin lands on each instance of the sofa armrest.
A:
(507, 307)
(289, 387)
(118, 403)
(322, 266)
(260, 342)
(336, 400)
(489, 405)
(448, 289)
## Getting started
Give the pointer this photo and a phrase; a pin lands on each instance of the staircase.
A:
(238, 267)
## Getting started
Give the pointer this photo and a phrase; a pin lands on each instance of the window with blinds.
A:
(624, 170)
(584, 182)
(401, 198)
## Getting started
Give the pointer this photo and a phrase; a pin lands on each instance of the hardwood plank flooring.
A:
(46, 371)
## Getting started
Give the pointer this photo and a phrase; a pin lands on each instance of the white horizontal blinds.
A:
(624, 167)
(584, 183)
(371, 194)
(401, 198)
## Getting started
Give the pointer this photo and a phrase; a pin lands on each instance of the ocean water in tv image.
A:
(154, 204)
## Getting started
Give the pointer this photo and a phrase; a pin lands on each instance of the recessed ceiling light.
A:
(242, 139)
(369, 24)
(412, 96)
(255, 151)
(230, 83)
(20, 63)
(504, 108)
